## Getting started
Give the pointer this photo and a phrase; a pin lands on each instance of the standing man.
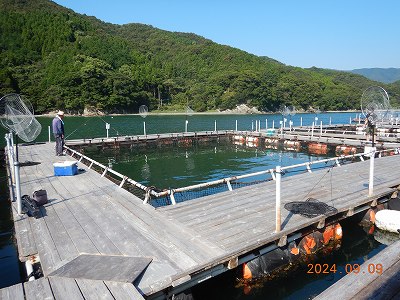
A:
(58, 131)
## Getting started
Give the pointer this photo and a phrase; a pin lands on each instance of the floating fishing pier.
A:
(94, 237)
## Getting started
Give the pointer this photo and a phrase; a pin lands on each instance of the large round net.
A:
(17, 116)
(375, 103)
(310, 208)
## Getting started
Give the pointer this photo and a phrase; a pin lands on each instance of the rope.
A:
(319, 182)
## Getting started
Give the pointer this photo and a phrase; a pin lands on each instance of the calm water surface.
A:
(178, 167)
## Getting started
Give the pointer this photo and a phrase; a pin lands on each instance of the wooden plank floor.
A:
(243, 218)
(88, 214)
(70, 289)
(368, 283)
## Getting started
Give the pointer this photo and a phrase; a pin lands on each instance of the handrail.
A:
(150, 191)
(107, 169)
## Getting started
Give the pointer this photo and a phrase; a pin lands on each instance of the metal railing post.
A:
(278, 199)
(371, 173)
(172, 197)
(312, 129)
(18, 187)
(10, 155)
(228, 183)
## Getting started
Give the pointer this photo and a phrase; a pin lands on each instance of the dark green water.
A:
(179, 167)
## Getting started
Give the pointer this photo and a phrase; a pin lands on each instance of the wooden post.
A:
(278, 199)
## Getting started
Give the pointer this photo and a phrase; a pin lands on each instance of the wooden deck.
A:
(70, 289)
(186, 243)
(368, 284)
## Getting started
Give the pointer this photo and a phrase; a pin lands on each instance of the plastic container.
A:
(66, 168)
(271, 132)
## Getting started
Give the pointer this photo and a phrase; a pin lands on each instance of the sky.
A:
(333, 34)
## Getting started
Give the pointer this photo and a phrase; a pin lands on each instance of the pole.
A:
(321, 129)
(144, 127)
(107, 128)
(18, 187)
(236, 126)
(330, 120)
(10, 155)
(278, 199)
(266, 124)
(371, 173)
(273, 124)
(186, 125)
(301, 121)
(49, 134)
(312, 129)
(252, 125)
(215, 125)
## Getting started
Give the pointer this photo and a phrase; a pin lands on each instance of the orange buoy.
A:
(318, 148)
(311, 243)
(247, 272)
(345, 150)
(292, 145)
(252, 141)
(338, 232)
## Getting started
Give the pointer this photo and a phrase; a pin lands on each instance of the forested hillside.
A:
(60, 59)
(388, 75)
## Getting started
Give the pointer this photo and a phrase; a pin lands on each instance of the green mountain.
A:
(388, 75)
(61, 59)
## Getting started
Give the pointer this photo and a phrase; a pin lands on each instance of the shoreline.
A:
(52, 114)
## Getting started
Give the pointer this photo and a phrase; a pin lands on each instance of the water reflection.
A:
(173, 167)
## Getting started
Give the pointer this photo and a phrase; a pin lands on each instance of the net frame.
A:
(17, 115)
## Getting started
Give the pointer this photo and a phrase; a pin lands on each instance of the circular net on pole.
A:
(143, 110)
(17, 116)
(375, 103)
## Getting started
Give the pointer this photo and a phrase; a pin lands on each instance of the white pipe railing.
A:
(272, 172)
(14, 168)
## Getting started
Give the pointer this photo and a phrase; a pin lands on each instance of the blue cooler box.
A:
(66, 168)
(270, 132)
